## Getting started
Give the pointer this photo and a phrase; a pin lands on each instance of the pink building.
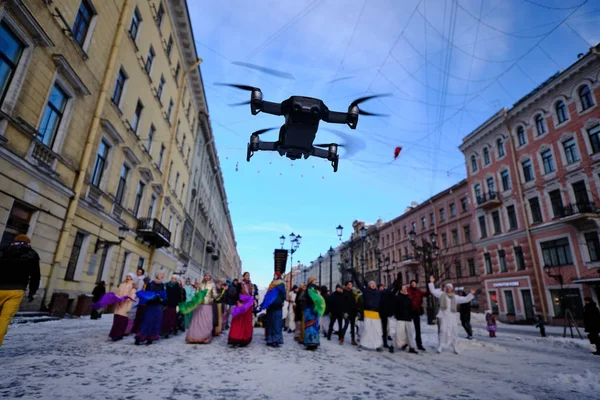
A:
(534, 173)
(448, 215)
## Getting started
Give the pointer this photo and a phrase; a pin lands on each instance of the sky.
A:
(449, 65)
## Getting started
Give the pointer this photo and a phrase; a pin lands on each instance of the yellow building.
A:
(101, 104)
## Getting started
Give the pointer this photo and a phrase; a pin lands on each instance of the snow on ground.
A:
(73, 359)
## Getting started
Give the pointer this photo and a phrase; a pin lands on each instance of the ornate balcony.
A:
(216, 255)
(488, 200)
(409, 261)
(152, 231)
(210, 247)
(580, 213)
(43, 154)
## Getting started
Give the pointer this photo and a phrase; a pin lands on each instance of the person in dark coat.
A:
(335, 308)
(97, 294)
(401, 306)
(169, 316)
(371, 334)
(385, 312)
(465, 317)
(591, 323)
(350, 310)
(19, 268)
(416, 295)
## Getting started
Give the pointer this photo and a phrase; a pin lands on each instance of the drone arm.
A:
(321, 153)
(268, 146)
(336, 117)
(271, 108)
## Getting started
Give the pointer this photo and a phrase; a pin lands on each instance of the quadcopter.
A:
(302, 117)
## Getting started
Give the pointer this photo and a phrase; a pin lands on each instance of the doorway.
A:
(528, 304)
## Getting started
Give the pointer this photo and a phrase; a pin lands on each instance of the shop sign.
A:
(505, 284)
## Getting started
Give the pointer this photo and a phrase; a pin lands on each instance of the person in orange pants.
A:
(19, 267)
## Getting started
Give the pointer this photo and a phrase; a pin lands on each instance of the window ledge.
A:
(573, 166)
(116, 108)
(593, 264)
(550, 175)
(137, 49)
(587, 110)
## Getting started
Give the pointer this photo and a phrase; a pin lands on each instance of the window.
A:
(593, 245)
(472, 270)
(486, 156)
(160, 156)
(189, 109)
(100, 163)
(141, 263)
(17, 223)
(521, 136)
(444, 241)
(82, 22)
(510, 301)
(170, 110)
(557, 204)
(187, 159)
(561, 111)
(500, 145)
(122, 184)
(502, 259)
(482, 227)
(160, 14)
(488, 263)
(473, 163)
(594, 140)
(138, 198)
(539, 124)
(455, 241)
(581, 196)
(177, 70)
(465, 204)
(151, 133)
(149, 60)
(496, 221)
(478, 196)
(11, 49)
(557, 252)
(55, 109)
(536, 211)
(170, 172)
(424, 222)
(169, 46)
(505, 177)
(135, 123)
(151, 206)
(520, 259)
(182, 192)
(136, 21)
(447, 271)
(527, 170)
(548, 161)
(571, 151)
(119, 87)
(183, 142)
(572, 301)
(161, 86)
(491, 186)
(442, 214)
(586, 98)
(512, 218)
(405, 230)
(74, 258)
(452, 210)
(414, 227)
(176, 182)
(467, 232)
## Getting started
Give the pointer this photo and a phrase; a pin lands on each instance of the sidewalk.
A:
(531, 330)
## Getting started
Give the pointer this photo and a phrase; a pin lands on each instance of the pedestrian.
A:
(385, 312)
(416, 295)
(401, 307)
(465, 317)
(180, 316)
(291, 316)
(201, 326)
(153, 297)
(97, 294)
(242, 326)
(490, 319)
(324, 319)
(273, 303)
(140, 281)
(448, 314)
(121, 312)
(313, 310)
(230, 300)
(169, 317)
(300, 304)
(335, 308)
(591, 323)
(19, 268)
(371, 334)
(350, 310)
(540, 324)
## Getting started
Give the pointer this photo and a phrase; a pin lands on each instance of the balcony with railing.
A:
(409, 260)
(579, 211)
(488, 200)
(152, 231)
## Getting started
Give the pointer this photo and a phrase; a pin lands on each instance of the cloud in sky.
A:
(441, 92)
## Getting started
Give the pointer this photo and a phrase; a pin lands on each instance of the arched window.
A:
(473, 163)
(539, 124)
(586, 97)
(477, 192)
(486, 156)
(500, 145)
(561, 111)
(521, 136)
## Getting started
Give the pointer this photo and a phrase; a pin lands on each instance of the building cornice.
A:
(65, 69)
(26, 18)
(484, 130)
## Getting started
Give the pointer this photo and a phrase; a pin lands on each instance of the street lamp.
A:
(331, 252)
(340, 230)
(363, 235)
(320, 261)
(567, 314)
(282, 240)
(379, 260)
(294, 244)
(387, 269)
(426, 253)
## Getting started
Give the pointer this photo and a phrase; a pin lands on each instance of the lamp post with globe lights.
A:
(426, 253)
(320, 261)
(294, 244)
(363, 236)
(331, 252)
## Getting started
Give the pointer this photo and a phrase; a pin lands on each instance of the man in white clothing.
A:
(448, 315)
(291, 315)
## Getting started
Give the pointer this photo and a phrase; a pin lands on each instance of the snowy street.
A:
(74, 359)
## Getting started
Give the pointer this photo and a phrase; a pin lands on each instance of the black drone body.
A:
(302, 118)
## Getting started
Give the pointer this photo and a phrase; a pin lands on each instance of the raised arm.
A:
(465, 299)
(432, 289)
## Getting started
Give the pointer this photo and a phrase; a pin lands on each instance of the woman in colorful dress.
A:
(153, 297)
(313, 309)
(273, 303)
(169, 318)
(201, 327)
(121, 320)
(242, 328)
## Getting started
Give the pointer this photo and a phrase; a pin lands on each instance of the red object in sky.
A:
(397, 151)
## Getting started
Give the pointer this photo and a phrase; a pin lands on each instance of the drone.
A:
(302, 117)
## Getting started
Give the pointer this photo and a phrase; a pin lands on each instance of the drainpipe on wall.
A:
(87, 153)
(521, 196)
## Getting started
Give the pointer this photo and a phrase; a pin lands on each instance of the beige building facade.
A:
(102, 116)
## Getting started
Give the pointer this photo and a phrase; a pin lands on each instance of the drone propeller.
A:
(363, 99)
(242, 87)
(270, 71)
(261, 131)
(243, 103)
(350, 143)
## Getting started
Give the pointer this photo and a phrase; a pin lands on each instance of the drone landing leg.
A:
(334, 163)
(249, 153)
